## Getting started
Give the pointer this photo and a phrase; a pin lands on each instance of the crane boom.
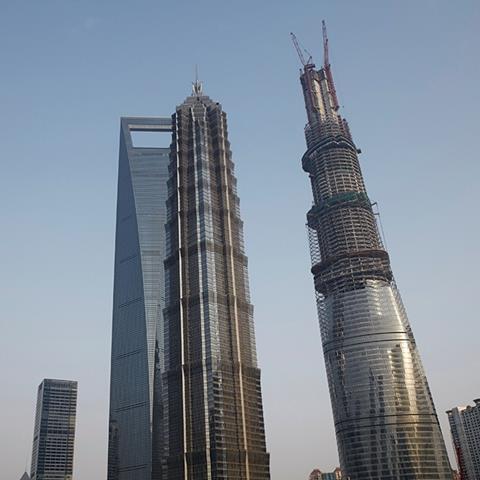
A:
(326, 67)
(297, 48)
(326, 61)
(299, 51)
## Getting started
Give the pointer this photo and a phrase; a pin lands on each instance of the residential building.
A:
(465, 431)
(318, 475)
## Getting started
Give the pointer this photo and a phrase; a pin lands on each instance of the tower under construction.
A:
(385, 419)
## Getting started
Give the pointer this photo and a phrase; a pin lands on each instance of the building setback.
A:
(465, 430)
(135, 443)
(213, 405)
(54, 432)
(385, 420)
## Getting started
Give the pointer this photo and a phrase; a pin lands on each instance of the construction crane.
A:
(311, 76)
(308, 75)
(326, 61)
(300, 52)
(326, 67)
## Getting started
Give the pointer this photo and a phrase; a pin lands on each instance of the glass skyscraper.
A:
(138, 302)
(185, 385)
(54, 433)
(385, 420)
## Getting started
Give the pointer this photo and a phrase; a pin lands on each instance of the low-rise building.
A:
(319, 475)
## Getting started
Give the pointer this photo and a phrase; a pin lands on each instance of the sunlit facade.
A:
(385, 420)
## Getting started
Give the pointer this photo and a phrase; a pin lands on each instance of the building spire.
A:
(197, 85)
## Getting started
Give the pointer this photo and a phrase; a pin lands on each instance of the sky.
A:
(407, 76)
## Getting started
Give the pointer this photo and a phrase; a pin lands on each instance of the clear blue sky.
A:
(407, 73)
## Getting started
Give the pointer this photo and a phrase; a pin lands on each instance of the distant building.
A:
(25, 476)
(54, 434)
(465, 430)
(318, 475)
(315, 475)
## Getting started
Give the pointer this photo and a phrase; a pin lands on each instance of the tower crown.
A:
(197, 85)
(321, 100)
(197, 88)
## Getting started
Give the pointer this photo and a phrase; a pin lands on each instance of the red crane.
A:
(326, 67)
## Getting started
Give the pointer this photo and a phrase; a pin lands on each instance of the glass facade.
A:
(135, 422)
(385, 420)
(185, 399)
(54, 433)
(213, 414)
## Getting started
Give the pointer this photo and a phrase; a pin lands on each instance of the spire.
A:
(197, 86)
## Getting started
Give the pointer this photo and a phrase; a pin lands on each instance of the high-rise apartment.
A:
(138, 301)
(465, 430)
(385, 420)
(185, 386)
(54, 433)
(213, 407)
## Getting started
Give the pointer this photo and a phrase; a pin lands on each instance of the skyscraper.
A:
(54, 433)
(465, 430)
(138, 302)
(213, 407)
(385, 420)
(185, 399)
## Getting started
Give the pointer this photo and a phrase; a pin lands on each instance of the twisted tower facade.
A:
(212, 404)
(385, 419)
